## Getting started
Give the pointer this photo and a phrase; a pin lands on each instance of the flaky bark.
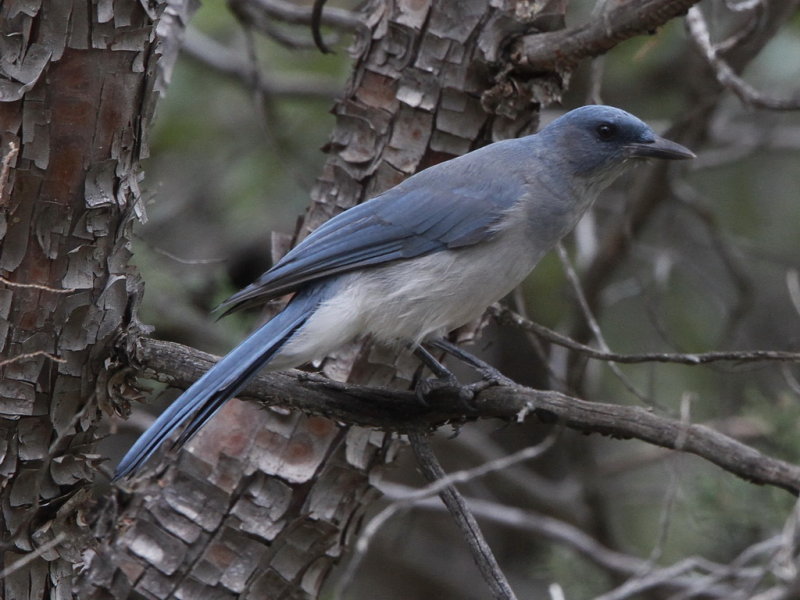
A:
(78, 86)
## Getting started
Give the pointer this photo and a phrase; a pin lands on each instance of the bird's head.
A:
(597, 142)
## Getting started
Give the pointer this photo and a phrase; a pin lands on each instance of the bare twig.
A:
(481, 552)
(576, 539)
(316, 19)
(178, 259)
(574, 281)
(261, 14)
(29, 355)
(563, 497)
(231, 64)
(691, 200)
(411, 497)
(554, 380)
(33, 555)
(507, 316)
(698, 29)
(793, 287)
(35, 286)
(657, 578)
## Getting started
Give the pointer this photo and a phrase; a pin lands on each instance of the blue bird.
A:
(422, 258)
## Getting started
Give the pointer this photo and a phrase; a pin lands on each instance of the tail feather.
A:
(207, 395)
(229, 388)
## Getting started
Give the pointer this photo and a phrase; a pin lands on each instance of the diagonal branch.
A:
(562, 50)
(726, 76)
(481, 552)
(394, 410)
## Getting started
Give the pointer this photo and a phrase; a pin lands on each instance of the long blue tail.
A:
(207, 395)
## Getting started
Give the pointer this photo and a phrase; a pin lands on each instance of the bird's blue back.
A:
(451, 205)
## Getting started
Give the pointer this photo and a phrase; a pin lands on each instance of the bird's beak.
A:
(659, 148)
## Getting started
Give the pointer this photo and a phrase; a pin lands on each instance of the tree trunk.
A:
(79, 86)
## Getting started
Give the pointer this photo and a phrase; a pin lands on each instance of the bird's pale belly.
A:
(410, 301)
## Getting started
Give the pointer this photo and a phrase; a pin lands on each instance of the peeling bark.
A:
(78, 87)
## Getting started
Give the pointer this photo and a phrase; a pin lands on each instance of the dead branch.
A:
(261, 12)
(395, 410)
(233, 65)
(562, 50)
(464, 519)
(726, 76)
(681, 574)
(509, 317)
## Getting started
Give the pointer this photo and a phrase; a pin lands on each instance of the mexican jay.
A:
(424, 257)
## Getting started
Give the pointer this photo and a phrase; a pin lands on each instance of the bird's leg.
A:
(444, 379)
(490, 375)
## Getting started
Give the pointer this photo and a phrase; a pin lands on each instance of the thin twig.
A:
(574, 281)
(289, 12)
(671, 493)
(178, 259)
(226, 62)
(35, 286)
(29, 355)
(412, 497)
(31, 556)
(316, 19)
(726, 76)
(504, 315)
(5, 169)
(555, 381)
(465, 520)
(587, 547)
(691, 200)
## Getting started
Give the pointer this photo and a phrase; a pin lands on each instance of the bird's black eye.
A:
(605, 131)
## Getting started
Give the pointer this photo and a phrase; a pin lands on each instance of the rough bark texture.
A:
(78, 86)
(266, 508)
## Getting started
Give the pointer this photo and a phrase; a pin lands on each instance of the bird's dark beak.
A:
(659, 148)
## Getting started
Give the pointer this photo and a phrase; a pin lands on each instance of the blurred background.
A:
(716, 268)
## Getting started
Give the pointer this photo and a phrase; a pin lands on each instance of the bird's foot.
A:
(427, 390)
(487, 382)
(489, 375)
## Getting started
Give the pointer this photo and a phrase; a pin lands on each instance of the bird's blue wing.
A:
(415, 218)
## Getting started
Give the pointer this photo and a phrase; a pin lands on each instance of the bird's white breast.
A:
(415, 299)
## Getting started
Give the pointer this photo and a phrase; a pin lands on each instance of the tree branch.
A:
(509, 317)
(684, 577)
(562, 50)
(464, 519)
(726, 76)
(259, 12)
(230, 63)
(395, 410)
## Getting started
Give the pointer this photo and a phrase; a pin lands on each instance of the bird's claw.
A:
(428, 389)
(491, 377)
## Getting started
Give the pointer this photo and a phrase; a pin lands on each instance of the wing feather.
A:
(415, 218)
